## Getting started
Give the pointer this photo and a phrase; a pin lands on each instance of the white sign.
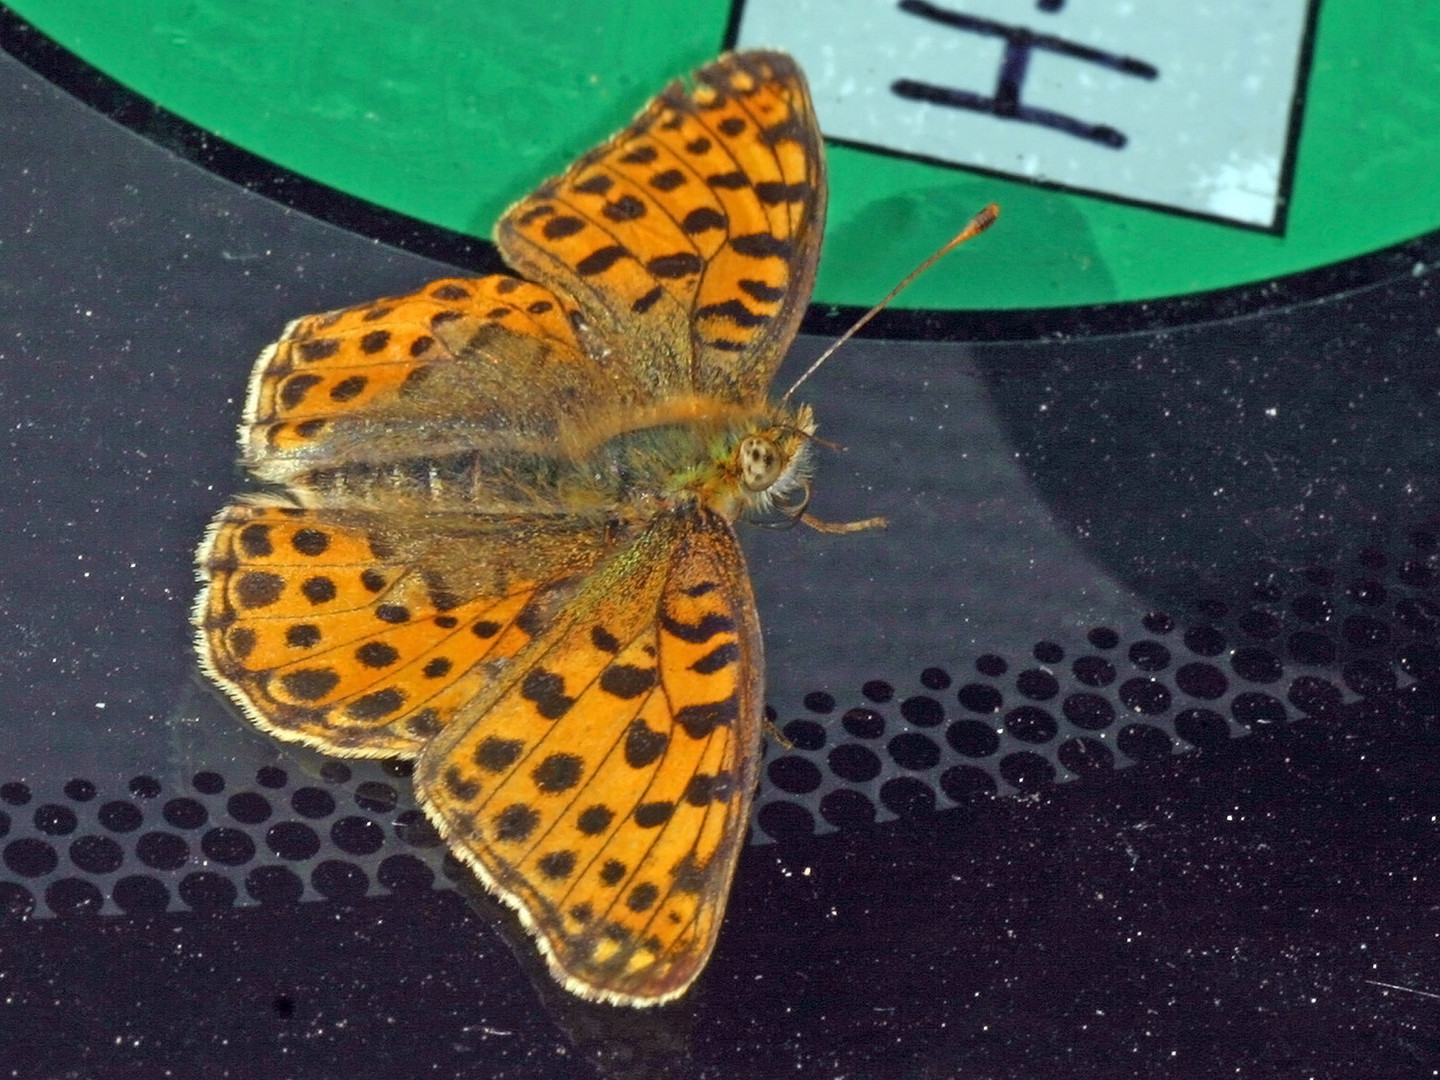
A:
(1169, 103)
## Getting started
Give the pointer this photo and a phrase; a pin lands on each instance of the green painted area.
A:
(447, 112)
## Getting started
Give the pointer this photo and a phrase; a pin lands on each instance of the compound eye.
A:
(760, 464)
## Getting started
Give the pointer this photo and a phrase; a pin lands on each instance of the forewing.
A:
(464, 364)
(603, 787)
(363, 634)
(690, 240)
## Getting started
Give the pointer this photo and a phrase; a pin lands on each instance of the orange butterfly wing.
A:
(461, 365)
(690, 240)
(341, 630)
(361, 611)
(603, 786)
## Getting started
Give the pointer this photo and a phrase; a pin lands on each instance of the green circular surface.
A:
(448, 112)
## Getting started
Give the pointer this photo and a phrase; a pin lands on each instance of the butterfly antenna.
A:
(978, 224)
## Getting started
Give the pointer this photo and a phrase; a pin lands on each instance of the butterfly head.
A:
(765, 469)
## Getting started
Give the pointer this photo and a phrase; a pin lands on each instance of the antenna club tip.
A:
(977, 224)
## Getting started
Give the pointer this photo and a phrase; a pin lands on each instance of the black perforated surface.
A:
(327, 829)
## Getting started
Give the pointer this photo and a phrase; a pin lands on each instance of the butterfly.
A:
(495, 531)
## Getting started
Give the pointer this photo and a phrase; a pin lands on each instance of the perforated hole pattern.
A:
(1305, 642)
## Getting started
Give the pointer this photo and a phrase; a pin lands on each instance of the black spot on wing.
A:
(598, 184)
(618, 934)
(696, 633)
(626, 681)
(699, 790)
(601, 259)
(529, 217)
(558, 773)
(376, 706)
(318, 349)
(318, 589)
(557, 865)
(242, 640)
(460, 788)
(295, 389)
(762, 291)
(374, 342)
(775, 192)
(729, 181)
(424, 724)
(538, 611)
(676, 265)
(255, 541)
(726, 345)
(625, 208)
(516, 822)
(547, 691)
(440, 597)
(377, 654)
(762, 246)
(642, 897)
(690, 877)
(735, 312)
(309, 684)
(561, 226)
(495, 754)
(788, 130)
(257, 589)
(302, 635)
(649, 300)
(594, 820)
(717, 659)
(702, 219)
(643, 745)
(700, 721)
(652, 815)
(348, 389)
